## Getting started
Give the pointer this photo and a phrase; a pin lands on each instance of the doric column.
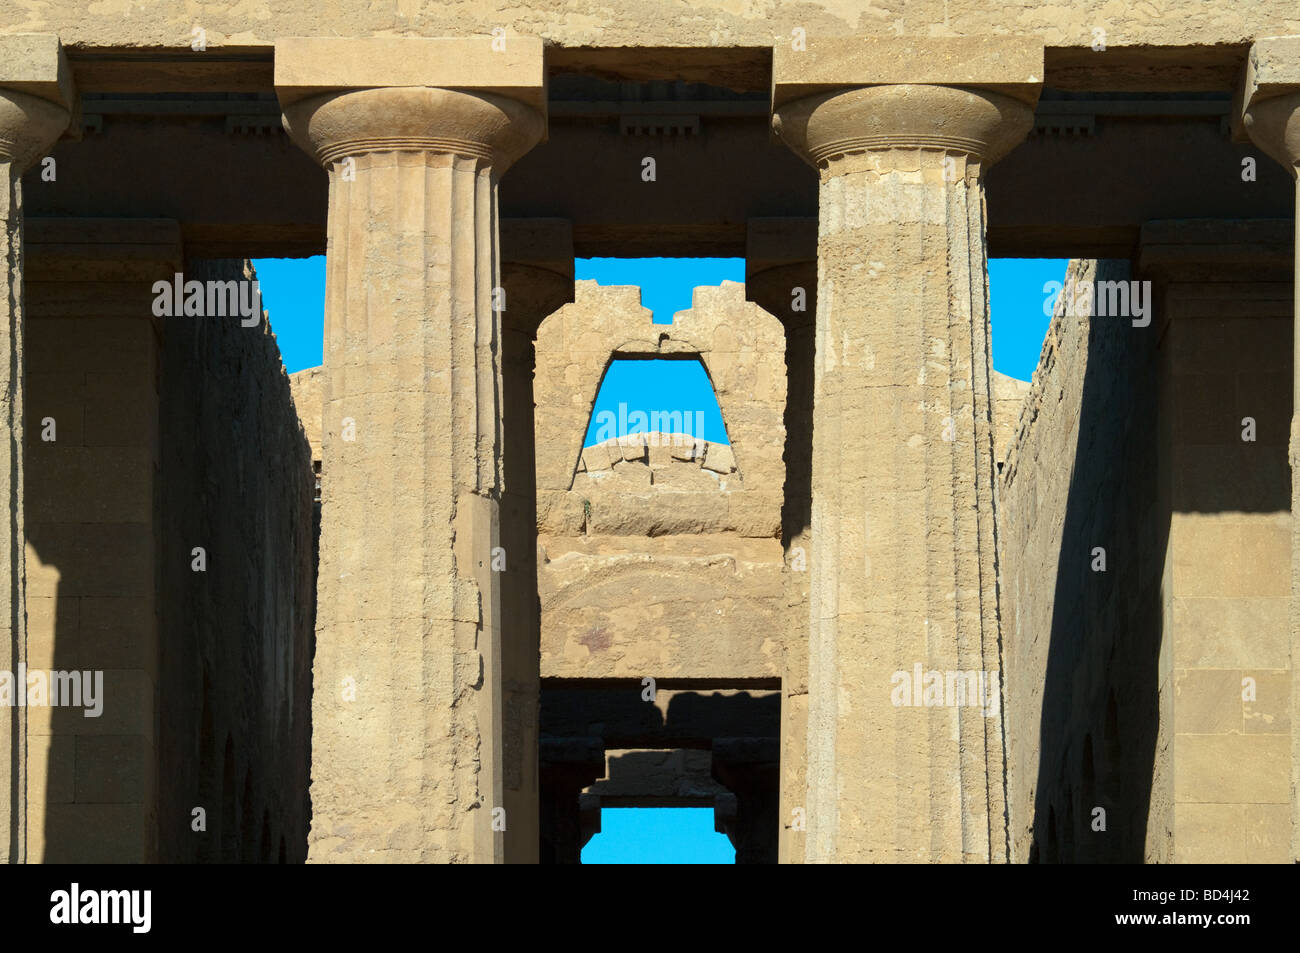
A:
(36, 99)
(1270, 102)
(781, 277)
(407, 713)
(537, 275)
(902, 563)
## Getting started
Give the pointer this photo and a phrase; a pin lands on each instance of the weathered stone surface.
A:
(673, 532)
(901, 438)
(1139, 617)
(308, 396)
(631, 606)
(393, 778)
(1081, 645)
(592, 28)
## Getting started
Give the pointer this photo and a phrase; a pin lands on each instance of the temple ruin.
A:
(394, 609)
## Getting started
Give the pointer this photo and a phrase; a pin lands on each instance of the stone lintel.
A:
(34, 63)
(746, 751)
(542, 243)
(676, 718)
(310, 66)
(773, 242)
(584, 750)
(135, 251)
(1202, 250)
(1010, 65)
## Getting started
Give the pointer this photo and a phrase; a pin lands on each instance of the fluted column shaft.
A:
(409, 768)
(902, 563)
(28, 126)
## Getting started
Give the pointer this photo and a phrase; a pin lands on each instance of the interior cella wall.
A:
(166, 434)
(1081, 642)
(1145, 549)
(237, 639)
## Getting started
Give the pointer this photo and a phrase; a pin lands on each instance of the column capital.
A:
(1269, 98)
(980, 124)
(481, 98)
(971, 95)
(36, 96)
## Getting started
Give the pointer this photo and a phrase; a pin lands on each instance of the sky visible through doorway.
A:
(293, 291)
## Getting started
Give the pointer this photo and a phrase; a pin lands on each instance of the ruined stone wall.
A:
(237, 640)
(1008, 400)
(788, 289)
(308, 388)
(661, 560)
(1082, 685)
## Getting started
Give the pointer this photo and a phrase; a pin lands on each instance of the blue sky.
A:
(658, 835)
(293, 290)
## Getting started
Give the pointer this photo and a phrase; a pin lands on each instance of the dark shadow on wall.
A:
(89, 509)
(173, 434)
(532, 294)
(1102, 681)
(236, 638)
(582, 719)
(1162, 415)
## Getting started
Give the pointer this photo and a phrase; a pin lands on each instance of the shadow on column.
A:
(532, 293)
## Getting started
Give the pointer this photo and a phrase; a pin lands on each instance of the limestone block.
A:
(719, 458)
(694, 450)
(1268, 834)
(109, 632)
(1223, 556)
(633, 447)
(310, 65)
(629, 477)
(51, 774)
(611, 608)
(53, 632)
(1210, 833)
(1242, 769)
(127, 709)
(595, 458)
(685, 476)
(1270, 712)
(111, 769)
(1012, 65)
(34, 63)
(660, 451)
(106, 833)
(1231, 632)
(1208, 701)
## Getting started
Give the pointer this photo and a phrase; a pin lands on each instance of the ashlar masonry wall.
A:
(661, 561)
(237, 639)
(167, 435)
(1082, 637)
(1145, 545)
